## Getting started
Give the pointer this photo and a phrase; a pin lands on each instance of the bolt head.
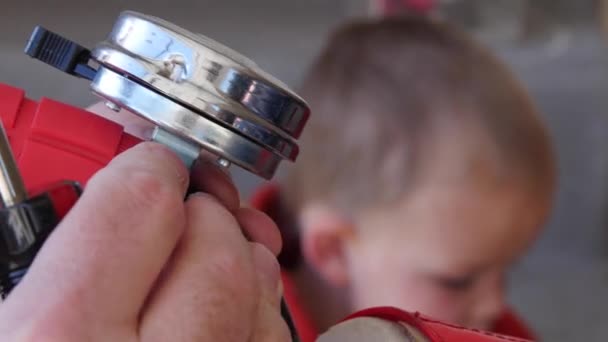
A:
(225, 163)
(113, 106)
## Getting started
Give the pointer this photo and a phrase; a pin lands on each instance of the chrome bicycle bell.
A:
(199, 93)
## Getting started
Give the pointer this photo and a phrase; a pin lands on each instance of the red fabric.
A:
(304, 325)
(433, 330)
(63, 197)
(509, 324)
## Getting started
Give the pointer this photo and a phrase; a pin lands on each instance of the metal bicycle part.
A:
(193, 79)
(203, 78)
(185, 123)
(199, 93)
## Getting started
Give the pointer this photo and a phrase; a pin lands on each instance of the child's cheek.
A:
(414, 292)
(381, 276)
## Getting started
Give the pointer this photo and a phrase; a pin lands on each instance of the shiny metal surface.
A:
(18, 234)
(199, 91)
(226, 113)
(12, 188)
(223, 163)
(187, 151)
(185, 123)
(198, 71)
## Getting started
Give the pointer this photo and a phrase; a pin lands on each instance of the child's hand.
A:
(133, 262)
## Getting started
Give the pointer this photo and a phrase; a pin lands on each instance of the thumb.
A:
(101, 261)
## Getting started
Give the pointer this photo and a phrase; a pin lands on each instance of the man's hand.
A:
(133, 261)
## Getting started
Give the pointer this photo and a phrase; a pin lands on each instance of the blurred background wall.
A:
(555, 46)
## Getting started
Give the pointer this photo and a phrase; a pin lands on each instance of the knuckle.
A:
(235, 275)
(138, 197)
(267, 269)
(144, 190)
(210, 205)
(230, 263)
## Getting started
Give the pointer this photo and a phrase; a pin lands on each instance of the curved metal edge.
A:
(201, 101)
(239, 79)
(135, 17)
(185, 123)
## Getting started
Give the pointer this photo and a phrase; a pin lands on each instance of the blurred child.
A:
(425, 173)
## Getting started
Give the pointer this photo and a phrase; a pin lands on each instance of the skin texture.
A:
(450, 260)
(133, 261)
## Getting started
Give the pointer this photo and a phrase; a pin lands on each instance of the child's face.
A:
(444, 251)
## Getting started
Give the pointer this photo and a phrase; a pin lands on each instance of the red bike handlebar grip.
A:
(53, 141)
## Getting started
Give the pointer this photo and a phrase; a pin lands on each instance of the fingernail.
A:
(205, 166)
(166, 154)
(203, 195)
(196, 194)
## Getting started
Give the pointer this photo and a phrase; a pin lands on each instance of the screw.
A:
(223, 162)
(113, 106)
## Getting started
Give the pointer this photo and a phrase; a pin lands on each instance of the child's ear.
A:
(324, 237)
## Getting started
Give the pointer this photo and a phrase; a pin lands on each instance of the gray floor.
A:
(562, 287)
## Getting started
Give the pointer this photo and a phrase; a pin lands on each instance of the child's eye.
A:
(456, 283)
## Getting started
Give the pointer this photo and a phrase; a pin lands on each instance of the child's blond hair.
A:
(381, 91)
